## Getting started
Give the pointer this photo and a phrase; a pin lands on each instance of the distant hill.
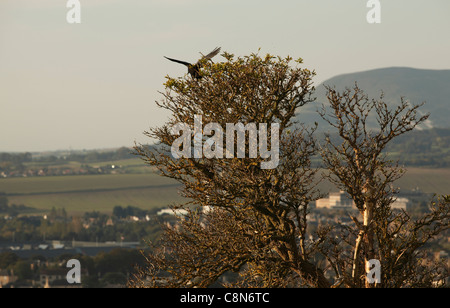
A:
(416, 85)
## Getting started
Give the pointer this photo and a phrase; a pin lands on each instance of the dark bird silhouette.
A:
(194, 69)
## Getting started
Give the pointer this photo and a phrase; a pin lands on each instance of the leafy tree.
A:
(23, 270)
(253, 221)
(3, 202)
(8, 259)
(119, 212)
(257, 225)
(117, 260)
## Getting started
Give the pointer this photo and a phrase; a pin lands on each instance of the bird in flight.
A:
(194, 69)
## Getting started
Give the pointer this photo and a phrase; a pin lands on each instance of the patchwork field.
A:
(81, 193)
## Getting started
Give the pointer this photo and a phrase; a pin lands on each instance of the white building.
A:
(400, 203)
(178, 212)
(341, 200)
(335, 200)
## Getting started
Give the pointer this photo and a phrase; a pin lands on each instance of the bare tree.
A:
(357, 165)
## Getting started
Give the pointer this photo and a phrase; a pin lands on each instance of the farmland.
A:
(81, 193)
(143, 188)
(426, 180)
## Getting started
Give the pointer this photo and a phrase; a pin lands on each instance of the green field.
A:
(131, 165)
(81, 193)
(426, 180)
(80, 183)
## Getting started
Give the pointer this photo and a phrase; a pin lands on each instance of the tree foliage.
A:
(257, 214)
(254, 222)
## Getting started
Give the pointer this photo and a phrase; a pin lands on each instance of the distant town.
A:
(58, 163)
(34, 249)
(42, 226)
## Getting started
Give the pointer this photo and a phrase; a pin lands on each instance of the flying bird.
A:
(194, 69)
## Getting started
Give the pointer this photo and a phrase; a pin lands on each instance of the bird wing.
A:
(212, 53)
(178, 61)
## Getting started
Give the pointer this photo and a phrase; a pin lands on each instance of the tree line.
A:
(88, 156)
(91, 226)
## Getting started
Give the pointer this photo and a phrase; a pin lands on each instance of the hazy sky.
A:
(93, 85)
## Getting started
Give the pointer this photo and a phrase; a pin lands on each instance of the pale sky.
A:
(94, 85)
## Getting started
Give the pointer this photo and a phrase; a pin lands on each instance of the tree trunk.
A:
(368, 240)
(364, 240)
